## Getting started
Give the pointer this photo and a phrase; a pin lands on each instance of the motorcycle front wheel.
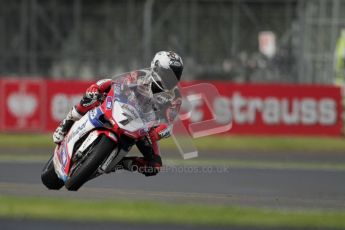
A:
(49, 177)
(94, 158)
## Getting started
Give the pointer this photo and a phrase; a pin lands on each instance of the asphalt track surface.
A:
(238, 186)
(279, 189)
(7, 224)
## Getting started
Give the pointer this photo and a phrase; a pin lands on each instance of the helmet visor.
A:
(165, 78)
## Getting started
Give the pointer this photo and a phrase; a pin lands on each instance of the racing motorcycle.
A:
(98, 141)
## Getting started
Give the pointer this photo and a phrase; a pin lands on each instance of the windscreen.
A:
(136, 89)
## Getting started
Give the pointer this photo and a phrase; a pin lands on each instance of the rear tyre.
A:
(94, 159)
(49, 177)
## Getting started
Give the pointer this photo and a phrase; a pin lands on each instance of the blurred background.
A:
(278, 66)
(296, 41)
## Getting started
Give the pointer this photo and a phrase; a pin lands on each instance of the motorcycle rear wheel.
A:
(94, 159)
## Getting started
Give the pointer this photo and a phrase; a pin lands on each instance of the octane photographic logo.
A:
(194, 96)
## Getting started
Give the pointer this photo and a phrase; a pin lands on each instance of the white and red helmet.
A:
(169, 66)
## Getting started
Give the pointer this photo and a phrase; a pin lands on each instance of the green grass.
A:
(265, 143)
(26, 140)
(257, 143)
(155, 212)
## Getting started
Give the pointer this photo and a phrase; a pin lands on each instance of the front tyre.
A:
(94, 159)
(49, 177)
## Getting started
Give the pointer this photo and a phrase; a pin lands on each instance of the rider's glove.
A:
(93, 92)
(159, 132)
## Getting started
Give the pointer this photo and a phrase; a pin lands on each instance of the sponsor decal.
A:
(164, 133)
(77, 131)
(109, 102)
(271, 110)
(93, 114)
(129, 112)
(21, 106)
(268, 109)
(64, 157)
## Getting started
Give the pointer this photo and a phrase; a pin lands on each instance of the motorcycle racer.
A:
(151, 162)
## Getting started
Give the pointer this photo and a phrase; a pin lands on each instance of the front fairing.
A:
(64, 152)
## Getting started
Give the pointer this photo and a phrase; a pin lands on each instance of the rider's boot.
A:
(146, 167)
(127, 163)
(66, 125)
